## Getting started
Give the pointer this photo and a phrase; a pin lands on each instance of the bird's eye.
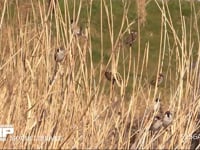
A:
(57, 50)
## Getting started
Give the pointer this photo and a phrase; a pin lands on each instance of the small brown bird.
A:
(157, 106)
(109, 76)
(159, 80)
(76, 30)
(167, 119)
(131, 38)
(60, 54)
(156, 124)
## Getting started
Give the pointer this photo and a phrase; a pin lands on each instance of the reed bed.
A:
(80, 108)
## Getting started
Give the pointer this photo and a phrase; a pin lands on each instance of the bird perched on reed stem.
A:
(157, 80)
(59, 54)
(167, 119)
(131, 38)
(76, 30)
(157, 106)
(109, 76)
(156, 124)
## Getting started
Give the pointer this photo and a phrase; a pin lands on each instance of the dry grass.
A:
(81, 108)
(141, 9)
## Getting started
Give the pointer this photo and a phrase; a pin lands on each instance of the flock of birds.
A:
(77, 30)
(160, 120)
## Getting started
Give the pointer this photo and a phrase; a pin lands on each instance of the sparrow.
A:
(157, 106)
(167, 119)
(59, 54)
(109, 76)
(159, 80)
(131, 38)
(76, 30)
(156, 124)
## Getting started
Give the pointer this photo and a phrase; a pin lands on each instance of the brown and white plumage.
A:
(60, 54)
(156, 124)
(157, 80)
(167, 119)
(131, 38)
(157, 105)
(76, 30)
(109, 76)
(114, 77)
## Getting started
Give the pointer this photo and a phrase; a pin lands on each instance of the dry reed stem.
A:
(84, 112)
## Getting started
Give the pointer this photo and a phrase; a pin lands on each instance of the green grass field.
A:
(150, 34)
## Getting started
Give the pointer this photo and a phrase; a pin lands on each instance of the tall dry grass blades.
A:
(80, 108)
(141, 10)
